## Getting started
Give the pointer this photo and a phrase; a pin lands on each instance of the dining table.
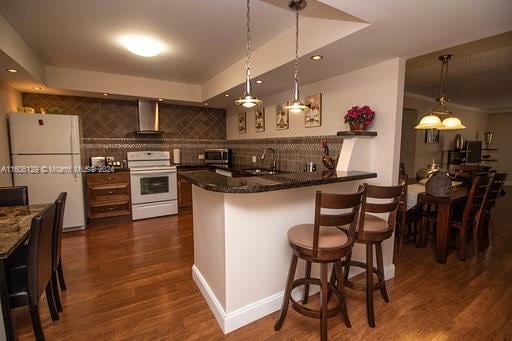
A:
(444, 207)
(15, 223)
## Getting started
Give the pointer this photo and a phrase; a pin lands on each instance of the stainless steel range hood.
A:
(148, 118)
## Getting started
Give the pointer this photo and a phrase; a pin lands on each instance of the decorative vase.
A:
(357, 126)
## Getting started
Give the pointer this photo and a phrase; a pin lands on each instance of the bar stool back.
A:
(372, 231)
(324, 243)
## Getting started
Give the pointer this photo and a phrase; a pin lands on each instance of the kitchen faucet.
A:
(274, 165)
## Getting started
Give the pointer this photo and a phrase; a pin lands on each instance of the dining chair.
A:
(13, 196)
(407, 218)
(323, 243)
(26, 283)
(372, 231)
(495, 190)
(469, 218)
(57, 272)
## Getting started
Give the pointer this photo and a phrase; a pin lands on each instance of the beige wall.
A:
(9, 100)
(501, 125)
(370, 85)
(473, 119)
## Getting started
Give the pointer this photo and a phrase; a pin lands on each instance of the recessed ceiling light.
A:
(36, 88)
(160, 99)
(104, 94)
(317, 57)
(142, 45)
(259, 81)
(12, 70)
(227, 95)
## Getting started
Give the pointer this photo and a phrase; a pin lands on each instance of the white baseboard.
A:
(229, 322)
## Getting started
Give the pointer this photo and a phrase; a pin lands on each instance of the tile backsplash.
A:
(108, 128)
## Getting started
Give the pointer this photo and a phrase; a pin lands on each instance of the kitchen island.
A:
(241, 252)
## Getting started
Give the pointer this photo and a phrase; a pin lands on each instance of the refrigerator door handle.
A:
(71, 141)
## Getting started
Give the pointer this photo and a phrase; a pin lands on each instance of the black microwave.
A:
(217, 156)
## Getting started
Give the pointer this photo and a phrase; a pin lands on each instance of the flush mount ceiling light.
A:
(104, 94)
(296, 106)
(248, 101)
(259, 81)
(160, 99)
(205, 103)
(142, 45)
(37, 88)
(227, 95)
(12, 70)
(317, 57)
(433, 120)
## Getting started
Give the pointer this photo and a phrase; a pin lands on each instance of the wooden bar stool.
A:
(372, 231)
(322, 242)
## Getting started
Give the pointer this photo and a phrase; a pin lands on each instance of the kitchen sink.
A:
(260, 171)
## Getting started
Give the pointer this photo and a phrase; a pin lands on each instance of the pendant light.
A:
(433, 120)
(296, 106)
(248, 101)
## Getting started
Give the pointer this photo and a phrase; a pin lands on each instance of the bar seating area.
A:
(30, 257)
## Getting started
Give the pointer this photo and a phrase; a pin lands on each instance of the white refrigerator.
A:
(45, 154)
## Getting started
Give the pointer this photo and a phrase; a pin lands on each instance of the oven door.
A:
(153, 185)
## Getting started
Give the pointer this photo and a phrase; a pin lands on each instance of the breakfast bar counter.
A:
(241, 253)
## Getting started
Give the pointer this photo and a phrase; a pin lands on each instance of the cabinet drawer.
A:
(108, 178)
(121, 189)
(110, 208)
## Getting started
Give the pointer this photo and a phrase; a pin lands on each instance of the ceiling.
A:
(206, 42)
(203, 37)
(479, 75)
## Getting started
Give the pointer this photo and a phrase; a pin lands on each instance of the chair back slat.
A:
(394, 194)
(60, 206)
(476, 198)
(13, 196)
(350, 203)
(39, 259)
(495, 188)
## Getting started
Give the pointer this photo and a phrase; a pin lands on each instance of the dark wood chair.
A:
(57, 272)
(468, 218)
(324, 243)
(495, 190)
(26, 283)
(407, 219)
(13, 196)
(372, 231)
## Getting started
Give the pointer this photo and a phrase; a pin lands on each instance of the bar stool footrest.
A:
(362, 287)
(314, 313)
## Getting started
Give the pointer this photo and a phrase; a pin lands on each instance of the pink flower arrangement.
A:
(360, 115)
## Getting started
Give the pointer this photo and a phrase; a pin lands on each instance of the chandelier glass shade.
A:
(433, 119)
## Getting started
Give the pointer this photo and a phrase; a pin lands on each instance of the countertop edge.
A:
(278, 187)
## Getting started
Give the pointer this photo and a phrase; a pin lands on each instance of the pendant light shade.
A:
(247, 100)
(296, 106)
(433, 120)
(452, 123)
(429, 122)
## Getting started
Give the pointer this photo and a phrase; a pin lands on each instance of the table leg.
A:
(8, 332)
(444, 217)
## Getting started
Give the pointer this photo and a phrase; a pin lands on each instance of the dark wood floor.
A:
(134, 281)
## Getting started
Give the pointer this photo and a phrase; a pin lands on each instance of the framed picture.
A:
(282, 117)
(242, 123)
(431, 136)
(260, 120)
(313, 114)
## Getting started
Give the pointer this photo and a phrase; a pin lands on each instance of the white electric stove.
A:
(153, 184)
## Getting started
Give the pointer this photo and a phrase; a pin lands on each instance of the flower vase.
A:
(357, 126)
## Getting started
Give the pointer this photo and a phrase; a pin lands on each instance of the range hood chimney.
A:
(148, 118)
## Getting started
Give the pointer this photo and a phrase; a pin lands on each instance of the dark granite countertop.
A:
(15, 224)
(212, 181)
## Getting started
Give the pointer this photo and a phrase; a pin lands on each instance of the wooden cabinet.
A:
(108, 195)
(185, 187)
